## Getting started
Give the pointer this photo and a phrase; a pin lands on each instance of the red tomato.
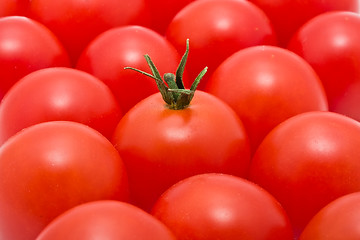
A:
(162, 12)
(77, 22)
(26, 46)
(161, 146)
(266, 85)
(308, 161)
(288, 16)
(109, 53)
(217, 29)
(58, 94)
(330, 43)
(51, 167)
(338, 220)
(217, 206)
(106, 220)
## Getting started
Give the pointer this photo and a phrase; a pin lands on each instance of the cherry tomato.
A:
(308, 161)
(266, 85)
(51, 167)
(108, 54)
(219, 206)
(217, 29)
(330, 43)
(58, 94)
(287, 16)
(106, 220)
(337, 220)
(26, 46)
(161, 146)
(77, 22)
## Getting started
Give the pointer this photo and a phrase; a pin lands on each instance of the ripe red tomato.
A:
(308, 161)
(108, 54)
(51, 167)
(26, 46)
(287, 16)
(77, 22)
(161, 146)
(266, 85)
(217, 29)
(330, 43)
(58, 94)
(218, 206)
(106, 220)
(337, 220)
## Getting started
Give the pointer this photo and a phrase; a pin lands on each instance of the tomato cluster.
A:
(187, 119)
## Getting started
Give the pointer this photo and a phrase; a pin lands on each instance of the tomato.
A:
(108, 54)
(266, 85)
(51, 167)
(337, 220)
(106, 220)
(218, 28)
(220, 206)
(58, 94)
(162, 143)
(77, 22)
(26, 46)
(330, 43)
(162, 12)
(288, 16)
(308, 161)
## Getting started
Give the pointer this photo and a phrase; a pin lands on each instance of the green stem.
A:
(172, 87)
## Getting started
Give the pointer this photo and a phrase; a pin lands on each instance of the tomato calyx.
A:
(172, 87)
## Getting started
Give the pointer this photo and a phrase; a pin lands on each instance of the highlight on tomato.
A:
(191, 133)
(51, 167)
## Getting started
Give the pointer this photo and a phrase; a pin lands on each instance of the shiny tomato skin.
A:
(58, 93)
(337, 220)
(219, 206)
(51, 167)
(330, 43)
(26, 46)
(216, 29)
(77, 22)
(308, 161)
(109, 53)
(161, 146)
(265, 85)
(106, 220)
(287, 16)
